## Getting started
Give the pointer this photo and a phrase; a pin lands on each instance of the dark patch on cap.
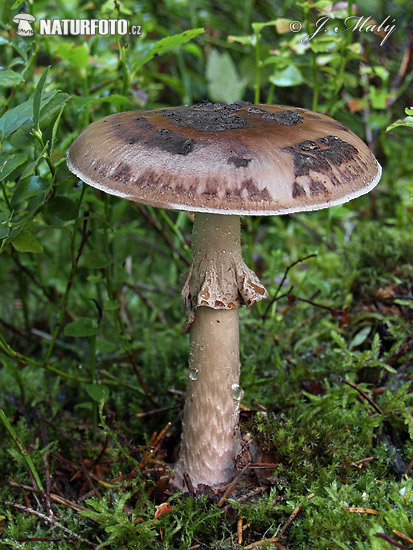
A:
(255, 194)
(143, 124)
(171, 142)
(207, 117)
(316, 187)
(211, 190)
(239, 162)
(166, 140)
(321, 155)
(122, 173)
(298, 191)
(286, 117)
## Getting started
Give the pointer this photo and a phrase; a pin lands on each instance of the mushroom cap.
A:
(225, 159)
(23, 17)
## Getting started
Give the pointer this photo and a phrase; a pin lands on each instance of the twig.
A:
(52, 521)
(363, 393)
(287, 269)
(261, 542)
(294, 514)
(157, 411)
(403, 536)
(140, 379)
(87, 474)
(409, 467)
(154, 446)
(148, 302)
(53, 496)
(189, 485)
(359, 463)
(388, 539)
(165, 236)
(232, 485)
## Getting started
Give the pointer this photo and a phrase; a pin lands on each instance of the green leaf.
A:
(37, 97)
(291, 76)
(246, 40)
(224, 84)
(30, 187)
(166, 44)
(115, 99)
(27, 242)
(105, 346)
(60, 209)
(257, 27)
(16, 4)
(84, 326)
(97, 392)
(12, 162)
(111, 305)
(407, 121)
(54, 129)
(9, 78)
(75, 54)
(93, 260)
(360, 337)
(22, 115)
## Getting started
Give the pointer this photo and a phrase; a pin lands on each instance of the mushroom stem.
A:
(211, 437)
(210, 434)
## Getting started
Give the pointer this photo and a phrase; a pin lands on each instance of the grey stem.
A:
(211, 437)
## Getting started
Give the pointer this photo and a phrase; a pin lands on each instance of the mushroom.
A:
(221, 161)
(24, 21)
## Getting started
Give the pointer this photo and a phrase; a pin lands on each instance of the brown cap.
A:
(228, 159)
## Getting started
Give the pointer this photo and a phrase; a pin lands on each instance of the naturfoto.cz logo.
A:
(75, 27)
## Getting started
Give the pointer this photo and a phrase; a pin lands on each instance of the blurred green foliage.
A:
(90, 285)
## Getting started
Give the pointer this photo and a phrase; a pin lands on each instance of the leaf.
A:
(257, 27)
(60, 209)
(407, 121)
(22, 115)
(166, 44)
(12, 162)
(249, 40)
(84, 326)
(97, 392)
(115, 99)
(76, 55)
(164, 508)
(360, 337)
(224, 84)
(54, 129)
(16, 4)
(9, 78)
(37, 97)
(93, 260)
(30, 187)
(291, 76)
(27, 242)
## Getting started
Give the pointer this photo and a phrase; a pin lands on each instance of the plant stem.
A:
(93, 378)
(22, 450)
(257, 87)
(75, 262)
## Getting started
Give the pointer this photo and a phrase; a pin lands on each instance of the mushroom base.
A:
(211, 437)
